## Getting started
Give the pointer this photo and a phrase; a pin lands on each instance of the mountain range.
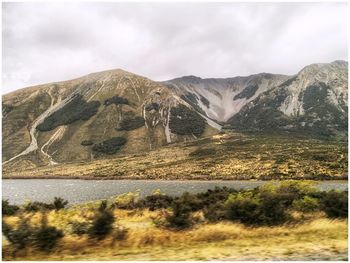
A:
(116, 112)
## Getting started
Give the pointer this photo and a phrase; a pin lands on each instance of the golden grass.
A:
(319, 238)
(237, 157)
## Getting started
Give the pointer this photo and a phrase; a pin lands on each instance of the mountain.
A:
(314, 101)
(220, 99)
(92, 117)
(116, 112)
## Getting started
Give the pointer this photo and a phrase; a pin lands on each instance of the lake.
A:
(17, 191)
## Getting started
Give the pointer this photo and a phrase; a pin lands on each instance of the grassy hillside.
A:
(56, 118)
(223, 156)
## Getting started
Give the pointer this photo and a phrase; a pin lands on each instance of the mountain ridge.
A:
(76, 120)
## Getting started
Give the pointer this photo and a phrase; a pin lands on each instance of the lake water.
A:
(79, 191)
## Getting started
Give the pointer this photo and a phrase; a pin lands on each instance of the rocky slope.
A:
(93, 117)
(116, 112)
(220, 99)
(314, 101)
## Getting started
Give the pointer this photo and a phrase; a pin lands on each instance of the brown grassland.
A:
(311, 237)
(228, 156)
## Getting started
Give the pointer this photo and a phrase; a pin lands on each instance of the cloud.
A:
(46, 42)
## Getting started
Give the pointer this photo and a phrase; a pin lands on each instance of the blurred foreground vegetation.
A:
(129, 224)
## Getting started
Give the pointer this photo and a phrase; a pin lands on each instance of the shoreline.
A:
(118, 178)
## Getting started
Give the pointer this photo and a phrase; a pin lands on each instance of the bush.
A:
(157, 201)
(182, 208)
(181, 216)
(59, 203)
(128, 124)
(335, 204)
(102, 224)
(184, 121)
(273, 209)
(8, 209)
(20, 237)
(116, 100)
(257, 209)
(110, 146)
(215, 212)
(37, 206)
(306, 204)
(288, 191)
(86, 143)
(214, 196)
(76, 109)
(243, 207)
(191, 201)
(127, 201)
(300, 188)
(46, 237)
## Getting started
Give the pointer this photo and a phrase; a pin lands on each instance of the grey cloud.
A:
(45, 42)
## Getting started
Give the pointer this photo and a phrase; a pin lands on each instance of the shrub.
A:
(288, 191)
(306, 204)
(127, 201)
(216, 195)
(215, 212)
(116, 100)
(110, 146)
(182, 208)
(257, 209)
(184, 121)
(300, 188)
(102, 224)
(243, 207)
(181, 216)
(273, 208)
(8, 209)
(37, 206)
(128, 124)
(191, 201)
(46, 237)
(76, 109)
(59, 203)
(20, 237)
(335, 204)
(86, 143)
(157, 201)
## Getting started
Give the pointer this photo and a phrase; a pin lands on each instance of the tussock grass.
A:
(237, 157)
(319, 238)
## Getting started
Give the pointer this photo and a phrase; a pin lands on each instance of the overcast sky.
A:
(46, 42)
